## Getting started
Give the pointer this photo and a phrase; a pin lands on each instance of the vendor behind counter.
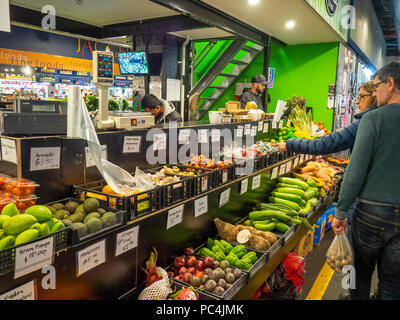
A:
(162, 110)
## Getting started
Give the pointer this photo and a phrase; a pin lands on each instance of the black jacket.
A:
(248, 96)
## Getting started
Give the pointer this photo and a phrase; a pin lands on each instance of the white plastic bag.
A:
(158, 290)
(340, 253)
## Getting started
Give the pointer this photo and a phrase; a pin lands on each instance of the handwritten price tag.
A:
(34, 256)
(281, 124)
(266, 127)
(45, 158)
(160, 141)
(200, 206)
(247, 129)
(132, 144)
(9, 150)
(184, 136)
(274, 125)
(256, 182)
(91, 257)
(127, 240)
(224, 197)
(224, 176)
(288, 166)
(24, 292)
(282, 170)
(175, 216)
(253, 131)
(274, 173)
(296, 162)
(202, 135)
(260, 126)
(215, 135)
(204, 184)
(239, 131)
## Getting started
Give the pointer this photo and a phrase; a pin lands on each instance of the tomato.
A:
(21, 206)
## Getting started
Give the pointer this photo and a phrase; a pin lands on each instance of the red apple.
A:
(192, 270)
(191, 261)
(179, 262)
(200, 265)
(189, 252)
(208, 262)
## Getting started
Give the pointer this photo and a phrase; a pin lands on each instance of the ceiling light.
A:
(254, 2)
(27, 71)
(6, 70)
(290, 24)
(12, 69)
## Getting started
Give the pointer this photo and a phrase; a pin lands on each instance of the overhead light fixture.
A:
(12, 69)
(27, 71)
(290, 24)
(254, 2)
(6, 70)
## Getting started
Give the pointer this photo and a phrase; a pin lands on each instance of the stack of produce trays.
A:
(208, 275)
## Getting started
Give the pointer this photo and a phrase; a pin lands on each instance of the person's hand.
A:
(339, 225)
(281, 146)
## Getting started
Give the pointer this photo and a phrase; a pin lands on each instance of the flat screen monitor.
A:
(133, 63)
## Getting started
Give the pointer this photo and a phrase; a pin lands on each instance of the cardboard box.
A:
(305, 245)
(319, 229)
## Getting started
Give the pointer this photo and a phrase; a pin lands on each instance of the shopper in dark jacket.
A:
(258, 84)
(162, 110)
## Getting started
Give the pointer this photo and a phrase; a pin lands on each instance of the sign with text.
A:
(89, 158)
(25, 292)
(91, 257)
(247, 129)
(266, 127)
(33, 256)
(160, 141)
(45, 158)
(224, 197)
(127, 240)
(184, 136)
(244, 186)
(288, 166)
(239, 131)
(9, 150)
(202, 135)
(215, 135)
(253, 131)
(200, 206)
(282, 170)
(256, 182)
(132, 144)
(274, 173)
(260, 126)
(175, 216)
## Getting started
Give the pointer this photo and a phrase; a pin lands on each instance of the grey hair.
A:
(391, 70)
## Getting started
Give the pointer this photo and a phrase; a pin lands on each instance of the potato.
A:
(338, 263)
(344, 262)
(339, 270)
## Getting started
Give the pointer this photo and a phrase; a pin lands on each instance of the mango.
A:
(44, 230)
(7, 242)
(27, 235)
(41, 213)
(57, 227)
(17, 224)
(10, 210)
(2, 219)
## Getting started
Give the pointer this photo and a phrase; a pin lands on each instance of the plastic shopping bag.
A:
(340, 253)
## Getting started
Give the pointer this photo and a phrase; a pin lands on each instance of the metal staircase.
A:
(224, 72)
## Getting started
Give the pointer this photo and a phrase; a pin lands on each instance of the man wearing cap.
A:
(258, 84)
(162, 110)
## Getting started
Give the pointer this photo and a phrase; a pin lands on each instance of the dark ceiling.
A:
(385, 12)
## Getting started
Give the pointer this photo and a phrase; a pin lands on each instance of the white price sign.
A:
(204, 184)
(9, 150)
(266, 127)
(296, 162)
(132, 144)
(239, 131)
(247, 129)
(202, 135)
(175, 216)
(215, 135)
(200, 206)
(281, 124)
(274, 125)
(25, 292)
(256, 182)
(184, 136)
(91, 257)
(224, 197)
(244, 186)
(274, 173)
(282, 170)
(89, 158)
(253, 131)
(160, 141)
(127, 240)
(288, 166)
(224, 176)
(45, 158)
(34, 256)
(260, 126)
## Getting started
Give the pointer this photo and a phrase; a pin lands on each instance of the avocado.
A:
(90, 215)
(82, 229)
(71, 206)
(101, 211)
(91, 205)
(77, 217)
(58, 206)
(94, 225)
(66, 222)
(62, 214)
(109, 219)
(80, 208)
(52, 209)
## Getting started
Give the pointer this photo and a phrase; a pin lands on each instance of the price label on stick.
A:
(274, 173)
(200, 206)
(175, 216)
(91, 257)
(34, 256)
(132, 144)
(126, 240)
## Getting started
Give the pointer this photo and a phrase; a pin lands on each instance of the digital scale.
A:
(34, 117)
(103, 77)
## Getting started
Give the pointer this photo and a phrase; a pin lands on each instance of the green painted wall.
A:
(305, 70)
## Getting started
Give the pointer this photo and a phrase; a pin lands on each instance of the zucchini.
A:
(295, 191)
(280, 207)
(309, 194)
(280, 226)
(288, 196)
(286, 185)
(264, 215)
(295, 181)
(264, 221)
(288, 203)
(306, 223)
(296, 221)
(264, 227)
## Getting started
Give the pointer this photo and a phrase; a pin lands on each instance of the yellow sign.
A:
(43, 60)
(17, 77)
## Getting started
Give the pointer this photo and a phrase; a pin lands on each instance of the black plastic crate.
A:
(221, 175)
(75, 239)
(248, 166)
(62, 240)
(273, 158)
(135, 205)
(203, 295)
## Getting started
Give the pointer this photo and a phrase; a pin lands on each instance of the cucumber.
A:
(295, 191)
(280, 226)
(295, 181)
(264, 221)
(286, 185)
(296, 221)
(266, 214)
(288, 196)
(290, 204)
(309, 194)
(280, 207)
(265, 227)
